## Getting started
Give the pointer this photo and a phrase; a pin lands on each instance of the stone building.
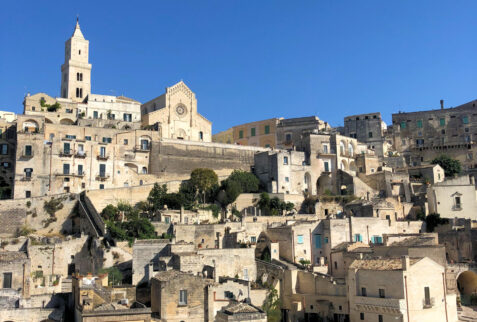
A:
(241, 312)
(283, 171)
(290, 132)
(259, 133)
(175, 115)
(178, 296)
(422, 136)
(404, 289)
(368, 128)
(454, 197)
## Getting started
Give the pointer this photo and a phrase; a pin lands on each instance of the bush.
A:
(451, 166)
(110, 212)
(28, 204)
(52, 206)
(434, 220)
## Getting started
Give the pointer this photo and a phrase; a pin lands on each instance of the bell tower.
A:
(76, 70)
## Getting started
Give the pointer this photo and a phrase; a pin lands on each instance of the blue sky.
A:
(249, 60)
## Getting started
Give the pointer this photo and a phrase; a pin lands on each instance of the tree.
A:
(272, 305)
(156, 197)
(115, 277)
(189, 194)
(248, 181)
(451, 166)
(110, 212)
(434, 220)
(203, 179)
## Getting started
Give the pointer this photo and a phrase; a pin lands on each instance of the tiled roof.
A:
(11, 256)
(240, 307)
(388, 264)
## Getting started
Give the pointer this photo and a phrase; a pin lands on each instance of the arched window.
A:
(350, 149)
(144, 170)
(342, 148)
(201, 135)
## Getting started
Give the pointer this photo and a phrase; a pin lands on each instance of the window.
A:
(252, 132)
(299, 239)
(382, 294)
(66, 168)
(361, 316)
(144, 170)
(325, 148)
(27, 194)
(4, 149)
(403, 125)
(95, 114)
(288, 137)
(253, 239)
(317, 241)
(66, 148)
(127, 117)
(183, 297)
(80, 169)
(6, 164)
(370, 134)
(102, 152)
(419, 123)
(380, 318)
(87, 138)
(125, 141)
(201, 135)
(101, 186)
(327, 166)
(245, 274)
(326, 238)
(465, 120)
(107, 140)
(357, 237)
(363, 291)
(28, 150)
(403, 141)
(442, 122)
(241, 134)
(102, 170)
(427, 296)
(285, 160)
(336, 265)
(7, 280)
(457, 202)
(287, 179)
(267, 129)
(144, 144)
(28, 172)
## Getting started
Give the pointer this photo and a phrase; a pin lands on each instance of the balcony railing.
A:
(427, 304)
(26, 155)
(103, 157)
(102, 176)
(26, 178)
(142, 148)
(66, 153)
(80, 154)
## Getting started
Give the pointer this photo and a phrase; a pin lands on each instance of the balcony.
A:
(27, 155)
(26, 178)
(66, 153)
(429, 303)
(102, 177)
(378, 304)
(79, 174)
(103, 157)
(64, 174)
(80, 154)
(142, 148)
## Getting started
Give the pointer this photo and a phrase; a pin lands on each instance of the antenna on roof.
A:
(77, 17)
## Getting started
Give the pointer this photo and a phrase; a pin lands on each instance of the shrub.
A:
(52, 206)
(25, 231)
(28, 204)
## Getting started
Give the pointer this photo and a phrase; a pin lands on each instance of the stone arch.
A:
(467, 284)
(352, 166)
(350, 149)
(48, 121)
(343, 165)
(144, 170)
(67, 121)
(181, 134)
(307, 183)
(342, 147)
(323, 183)
(30, 126)
(132, 167)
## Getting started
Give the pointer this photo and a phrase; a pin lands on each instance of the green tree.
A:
(156, 197)
(115, 277)
(272, 305)
(203, 180)
(248, 181)
(110, 212)
(434, 220)
(451, 166)
(264, 201)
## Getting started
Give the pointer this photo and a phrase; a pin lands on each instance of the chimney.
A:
(405, 263)
(442, 104)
